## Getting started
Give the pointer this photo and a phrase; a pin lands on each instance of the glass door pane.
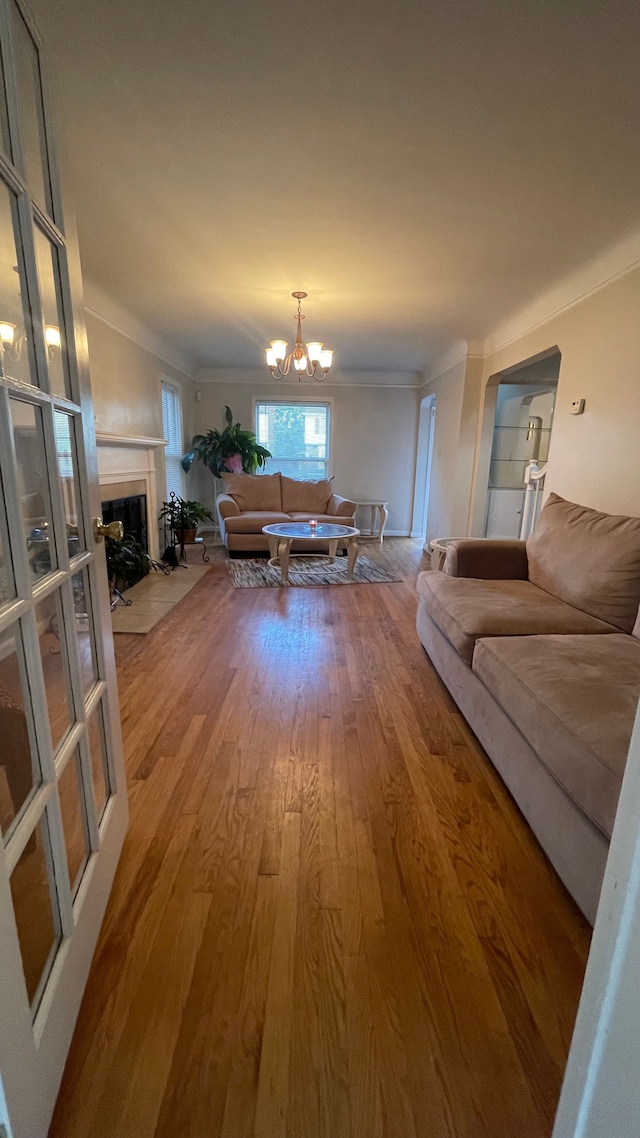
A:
(33, 486)
(74, 824)
(35, 909)
(5, 140)
(19, 774)
(64, 430)
(51, 301)
(16, 342)
(55, 667)
(7, 579)
(84, 623)
(32, 136)
(98, 754)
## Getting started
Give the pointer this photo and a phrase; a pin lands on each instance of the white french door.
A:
(63, 809)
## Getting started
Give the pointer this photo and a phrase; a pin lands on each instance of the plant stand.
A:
(180, 523)
(116, 596)
(197, 541)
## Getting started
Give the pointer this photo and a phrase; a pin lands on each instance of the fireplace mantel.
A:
(131, 458)
(141, 441)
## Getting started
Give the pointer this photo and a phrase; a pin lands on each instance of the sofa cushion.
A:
(252, 521)
(574, 699)
(332, 519)
(338, 507)
(588, 559)
(466, 608)
(255, 491)
(299, 495)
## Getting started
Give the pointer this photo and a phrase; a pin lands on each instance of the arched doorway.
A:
(424, 460)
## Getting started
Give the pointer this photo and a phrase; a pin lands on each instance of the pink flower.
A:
(234, 463)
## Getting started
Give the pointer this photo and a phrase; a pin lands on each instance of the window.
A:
(172, 427)
(62, 429)
(297, 434)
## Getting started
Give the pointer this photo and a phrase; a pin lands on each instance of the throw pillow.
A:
(589, 559)
(254, 491)
(301, 496)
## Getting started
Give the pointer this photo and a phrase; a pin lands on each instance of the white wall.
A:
(374, 432)
(457, 391)
(594, 458)
(125, 385)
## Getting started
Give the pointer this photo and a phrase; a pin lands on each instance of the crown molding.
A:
(110, 312)
(458, 351)
(255, 377)
(619, 260)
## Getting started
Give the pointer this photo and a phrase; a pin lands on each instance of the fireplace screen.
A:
(132, 512)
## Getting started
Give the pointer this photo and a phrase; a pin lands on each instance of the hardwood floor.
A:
(330, 920)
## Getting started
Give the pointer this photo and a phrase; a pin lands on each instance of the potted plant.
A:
(183, 518)
(232, 449)
(127, 563)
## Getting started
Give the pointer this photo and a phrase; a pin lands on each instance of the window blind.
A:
(172, 427)
(62, 428)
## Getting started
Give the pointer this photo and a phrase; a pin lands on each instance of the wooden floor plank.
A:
(273, 1080)
(330, 919)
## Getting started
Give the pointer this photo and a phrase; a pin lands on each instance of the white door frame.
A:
(59, 567)
(601, 1090)
(424, 463)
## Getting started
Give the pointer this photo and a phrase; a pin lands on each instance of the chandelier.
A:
(314, 362)
(13, 341)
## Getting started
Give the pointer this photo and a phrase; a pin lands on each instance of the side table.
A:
(378, 514)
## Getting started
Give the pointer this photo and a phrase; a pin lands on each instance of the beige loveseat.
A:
(252, 501)
(538, 644)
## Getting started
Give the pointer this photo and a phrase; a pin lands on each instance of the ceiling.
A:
(421, 168)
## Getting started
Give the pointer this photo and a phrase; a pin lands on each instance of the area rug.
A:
(256, 573)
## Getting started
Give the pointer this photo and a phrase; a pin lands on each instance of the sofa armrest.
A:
(487, 559)
(340, 507)
(227, 506)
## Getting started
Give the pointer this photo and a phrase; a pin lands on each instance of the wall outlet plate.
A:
(577, 406)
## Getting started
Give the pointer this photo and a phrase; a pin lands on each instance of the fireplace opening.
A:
(132, 512)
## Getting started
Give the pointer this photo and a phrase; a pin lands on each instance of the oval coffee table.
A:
(281, 535)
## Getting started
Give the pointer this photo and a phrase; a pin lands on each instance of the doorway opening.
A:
(523, 420)
(424, 461)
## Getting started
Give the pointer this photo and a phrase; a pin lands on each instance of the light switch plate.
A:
(577, 406)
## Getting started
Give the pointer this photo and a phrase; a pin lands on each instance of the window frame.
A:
(176, 391)
(305, 401)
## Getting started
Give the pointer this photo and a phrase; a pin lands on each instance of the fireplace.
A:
(132, 512)
(127, 469)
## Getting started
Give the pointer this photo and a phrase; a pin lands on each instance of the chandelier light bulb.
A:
(279, 348)
(315, 361)
(7, 332)
(52, 336)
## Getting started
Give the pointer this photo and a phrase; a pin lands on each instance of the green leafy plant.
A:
(232, 449)
(127, 561)
(182, 515)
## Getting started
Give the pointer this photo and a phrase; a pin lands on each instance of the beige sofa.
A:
(252, 501)
(538, 643)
